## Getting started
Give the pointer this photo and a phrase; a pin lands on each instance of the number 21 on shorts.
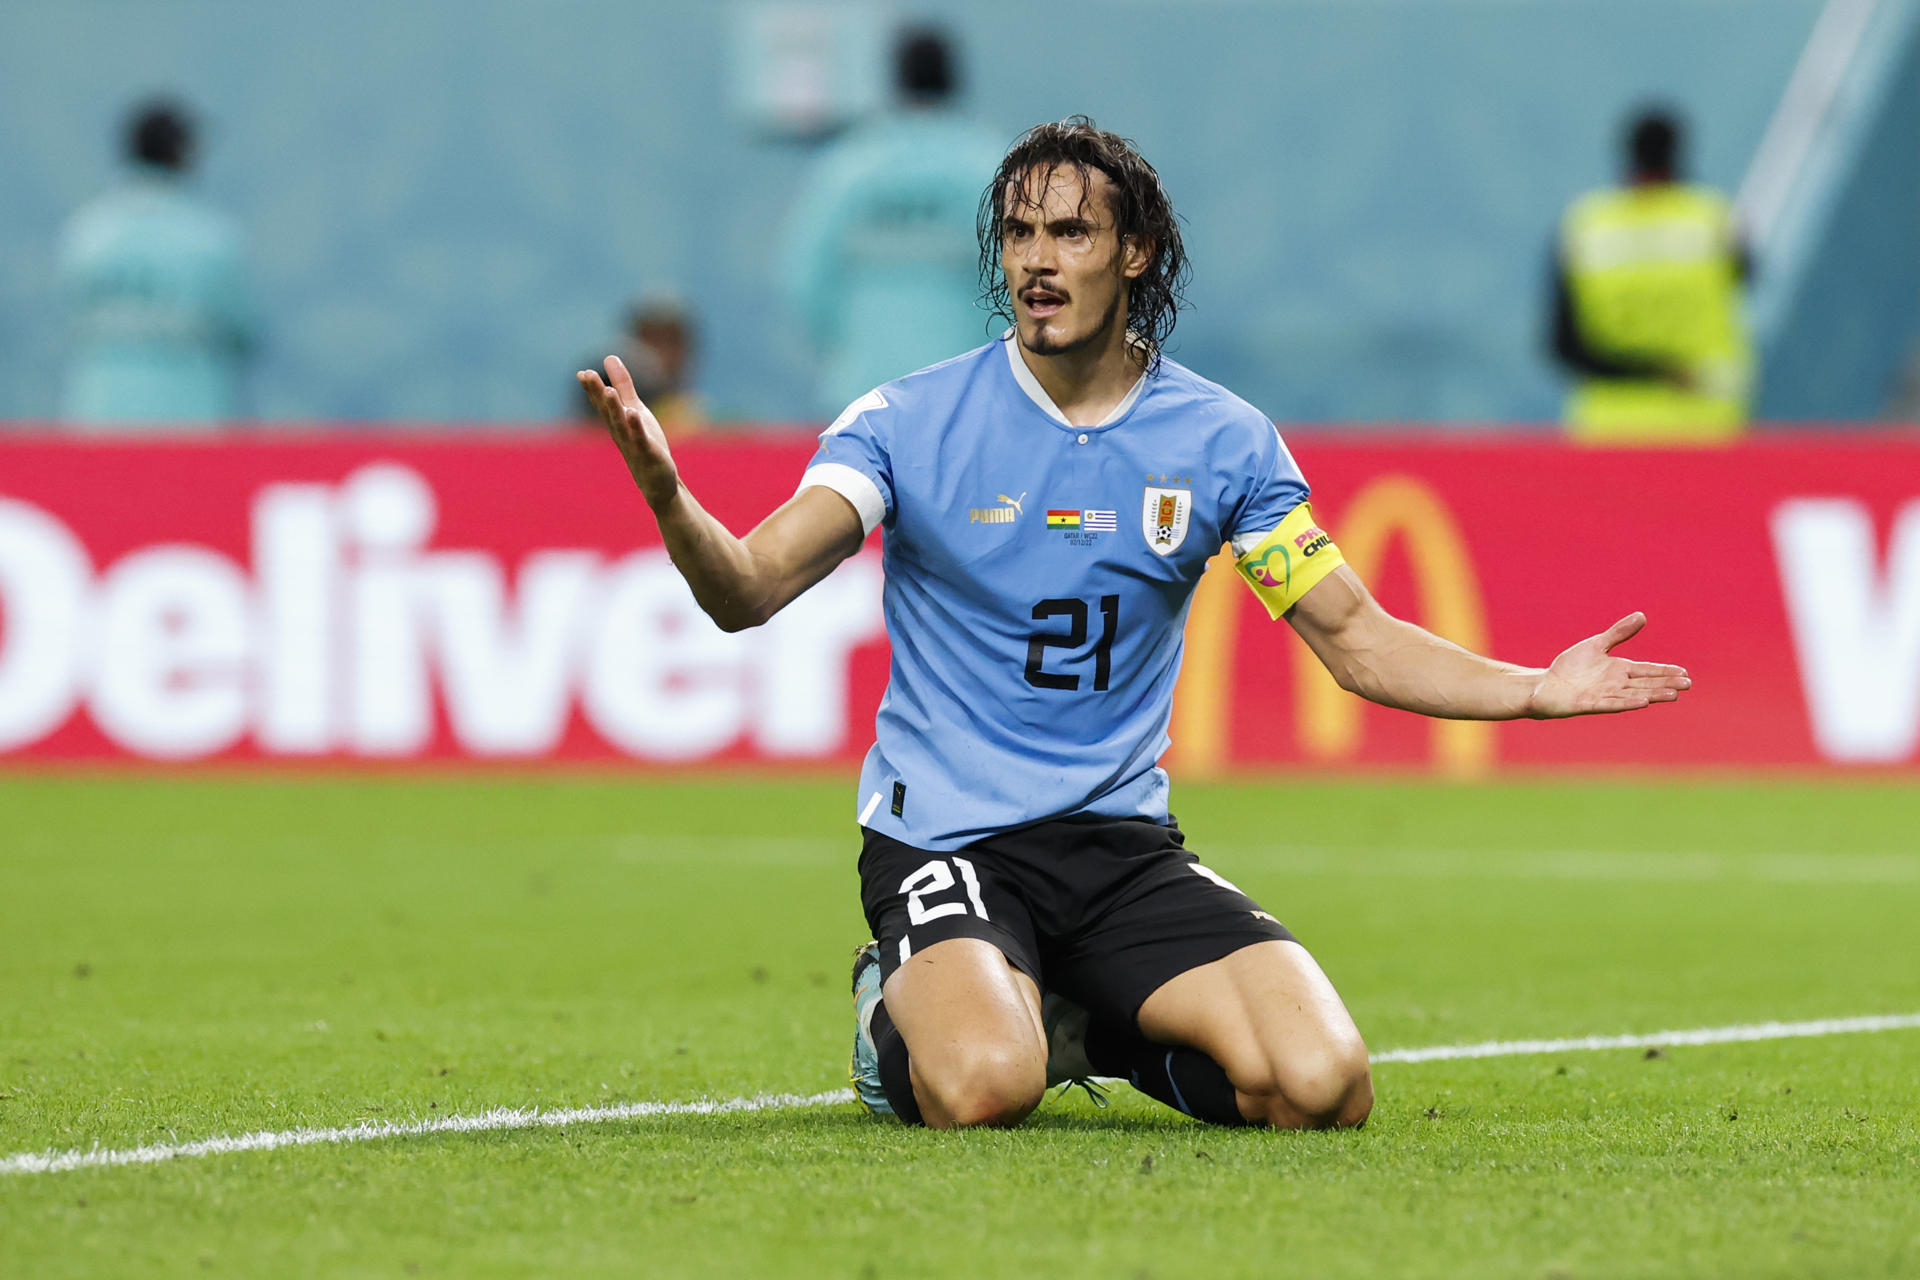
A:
(932, 880)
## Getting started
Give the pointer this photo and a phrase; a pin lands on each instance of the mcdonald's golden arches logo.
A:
(1328, 722)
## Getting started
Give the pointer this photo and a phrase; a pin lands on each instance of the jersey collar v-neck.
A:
(1044, 402)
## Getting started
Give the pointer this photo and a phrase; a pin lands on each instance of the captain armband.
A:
(1290, 561)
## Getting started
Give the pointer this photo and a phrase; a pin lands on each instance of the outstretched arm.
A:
(1397, 664)
(740, 582)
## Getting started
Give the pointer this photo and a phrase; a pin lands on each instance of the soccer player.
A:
(1050, 501)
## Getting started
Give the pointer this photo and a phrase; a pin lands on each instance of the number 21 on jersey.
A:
(1075, 612)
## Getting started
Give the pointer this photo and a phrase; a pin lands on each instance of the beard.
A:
(1043, 345)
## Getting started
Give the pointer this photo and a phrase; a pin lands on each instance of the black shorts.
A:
(1102, 911)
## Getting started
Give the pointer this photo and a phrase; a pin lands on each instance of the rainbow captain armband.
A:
(1290, 561)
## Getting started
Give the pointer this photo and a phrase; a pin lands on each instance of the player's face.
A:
(1066, 266)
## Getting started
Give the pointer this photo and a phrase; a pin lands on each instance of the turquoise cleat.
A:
(863, 1072)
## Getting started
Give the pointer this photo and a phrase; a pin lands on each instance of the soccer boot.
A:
(863, 1071)
(1066, 1026)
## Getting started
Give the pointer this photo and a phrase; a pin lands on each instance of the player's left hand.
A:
(1588, 680)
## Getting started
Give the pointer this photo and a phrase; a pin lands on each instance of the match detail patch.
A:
(1290, 561)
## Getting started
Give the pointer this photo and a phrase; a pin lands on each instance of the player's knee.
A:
(1327, 1087)
(987, 1085)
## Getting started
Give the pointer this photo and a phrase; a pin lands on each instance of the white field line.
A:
(505, 1118)
(1658, 1039)
(500, 1118)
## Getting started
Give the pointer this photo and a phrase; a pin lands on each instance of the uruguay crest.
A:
(1163, 518)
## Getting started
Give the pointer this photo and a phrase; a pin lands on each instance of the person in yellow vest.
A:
(1647, 303)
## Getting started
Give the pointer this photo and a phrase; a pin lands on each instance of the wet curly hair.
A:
(1141, 209)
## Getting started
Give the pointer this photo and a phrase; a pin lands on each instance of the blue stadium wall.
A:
(1849, 314)
(449, 202)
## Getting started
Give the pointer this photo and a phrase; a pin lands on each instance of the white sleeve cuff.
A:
(1245, 542)
(855, 486)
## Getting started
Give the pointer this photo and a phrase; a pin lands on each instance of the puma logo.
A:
(998, 515)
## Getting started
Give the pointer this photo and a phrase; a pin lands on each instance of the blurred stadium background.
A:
(448, 203)
(410, 556)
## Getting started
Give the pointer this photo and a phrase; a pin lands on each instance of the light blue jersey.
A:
(155, 281)
(881, 264)
(1037, 582)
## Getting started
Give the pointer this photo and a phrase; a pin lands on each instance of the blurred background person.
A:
(881, 263)
(658, 343)
(1905, 403)
(1647, 301)
(155, 280)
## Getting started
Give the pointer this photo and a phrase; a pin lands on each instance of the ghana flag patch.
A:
(1063, 519)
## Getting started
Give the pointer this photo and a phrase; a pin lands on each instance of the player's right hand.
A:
(634, 428)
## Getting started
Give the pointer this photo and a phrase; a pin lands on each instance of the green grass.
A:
(182, 959)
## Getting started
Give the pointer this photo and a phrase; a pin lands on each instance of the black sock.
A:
(1185, 1079)
(896, 1081)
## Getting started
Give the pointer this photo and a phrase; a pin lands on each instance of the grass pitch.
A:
(185, 959)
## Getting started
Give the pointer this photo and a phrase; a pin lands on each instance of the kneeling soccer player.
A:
(1049, 502)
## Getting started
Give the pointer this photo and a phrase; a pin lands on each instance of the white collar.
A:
(1038, 394)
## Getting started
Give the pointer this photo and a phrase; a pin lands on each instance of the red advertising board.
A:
(361, 598)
